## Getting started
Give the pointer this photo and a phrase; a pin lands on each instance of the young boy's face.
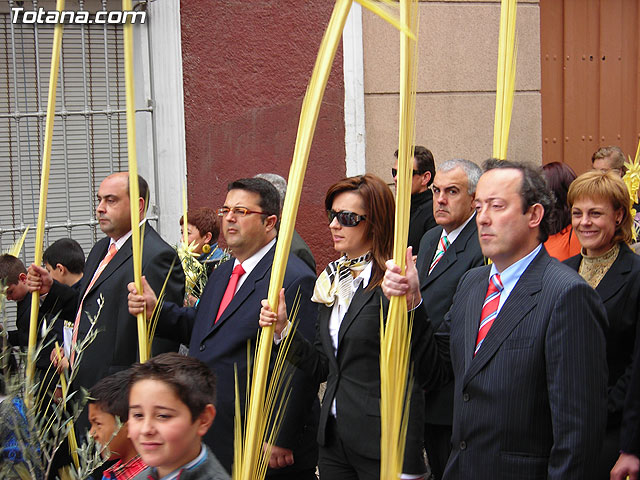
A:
(161, 427)
(17, 291)
(103, 425)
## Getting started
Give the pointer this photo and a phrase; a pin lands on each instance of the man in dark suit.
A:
(421, 216)
(628, 464)
(446, 253)
(108, 270)
(526, 344)
(225, 321)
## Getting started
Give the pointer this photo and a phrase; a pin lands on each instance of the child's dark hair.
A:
(67, 252)
(191, 380)
(111, 394)
(10, 269)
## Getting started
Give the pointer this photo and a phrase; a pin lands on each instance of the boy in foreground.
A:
(108, 401)
(170, 409)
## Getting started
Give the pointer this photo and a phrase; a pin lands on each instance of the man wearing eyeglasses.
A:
(219, 327)
(421, 216)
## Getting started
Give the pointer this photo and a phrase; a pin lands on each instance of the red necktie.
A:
(489, 309)
(238, 271)
(103, 264)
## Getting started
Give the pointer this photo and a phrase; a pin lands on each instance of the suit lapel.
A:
(245, 291)
(124, 253)
(449, 258)
(212, 296)
(431, 252)
(324, 315)
(359, 300)
(451, 255)
(472, 317)
(615, 279)
(520, 302)
(92, 264)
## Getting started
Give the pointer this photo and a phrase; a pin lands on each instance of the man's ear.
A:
(426, 178)
(537, 213)
(61, 268)
(22, 278)
(206, 419)
(270, 222)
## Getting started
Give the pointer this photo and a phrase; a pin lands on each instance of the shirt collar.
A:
(250, 263)
(363, 278)
(192, 464)
(121, 241)
(456, 232)
(510, 275)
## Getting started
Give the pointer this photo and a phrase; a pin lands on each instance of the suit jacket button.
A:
(465, 397)
(463, 445)
(202, 347)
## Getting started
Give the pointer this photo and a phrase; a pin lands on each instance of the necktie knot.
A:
(495, 284)
(238, 270)
(112, 250)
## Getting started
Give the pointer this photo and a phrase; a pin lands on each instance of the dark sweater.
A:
(421, 218)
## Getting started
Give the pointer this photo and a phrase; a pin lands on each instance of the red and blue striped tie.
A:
(489, 309)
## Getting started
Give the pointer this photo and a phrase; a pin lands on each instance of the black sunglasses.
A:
(345, 218)
(394, 172)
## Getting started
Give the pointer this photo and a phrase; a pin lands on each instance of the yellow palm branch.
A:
(395, 334)
(44, 189)
(506, 78)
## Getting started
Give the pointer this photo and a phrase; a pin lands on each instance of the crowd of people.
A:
(523, 288)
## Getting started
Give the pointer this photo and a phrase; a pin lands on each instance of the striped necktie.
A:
(442, 248)
(103, 264)
(489, 309)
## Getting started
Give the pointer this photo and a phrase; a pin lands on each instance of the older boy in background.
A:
(64, 260)
(108, 409)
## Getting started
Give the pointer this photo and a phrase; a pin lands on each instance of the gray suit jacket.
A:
(533, 402)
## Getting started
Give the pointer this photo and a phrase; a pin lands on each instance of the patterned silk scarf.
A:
(336, 280)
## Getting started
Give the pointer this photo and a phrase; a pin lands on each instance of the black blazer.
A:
(630, 430)
(437, 295)
(420, 218)
(223, 346)
(116, 346)
(619, 290)
(353, 376)
(532, 403)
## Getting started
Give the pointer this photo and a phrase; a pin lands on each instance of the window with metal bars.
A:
(90, 137)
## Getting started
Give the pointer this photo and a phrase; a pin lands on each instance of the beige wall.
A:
(455, 105)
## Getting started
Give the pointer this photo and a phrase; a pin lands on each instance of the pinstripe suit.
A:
(532, 403)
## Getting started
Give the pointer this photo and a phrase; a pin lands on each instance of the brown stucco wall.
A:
(246, 67)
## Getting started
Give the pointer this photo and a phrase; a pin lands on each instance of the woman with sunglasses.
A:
(346, 353)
